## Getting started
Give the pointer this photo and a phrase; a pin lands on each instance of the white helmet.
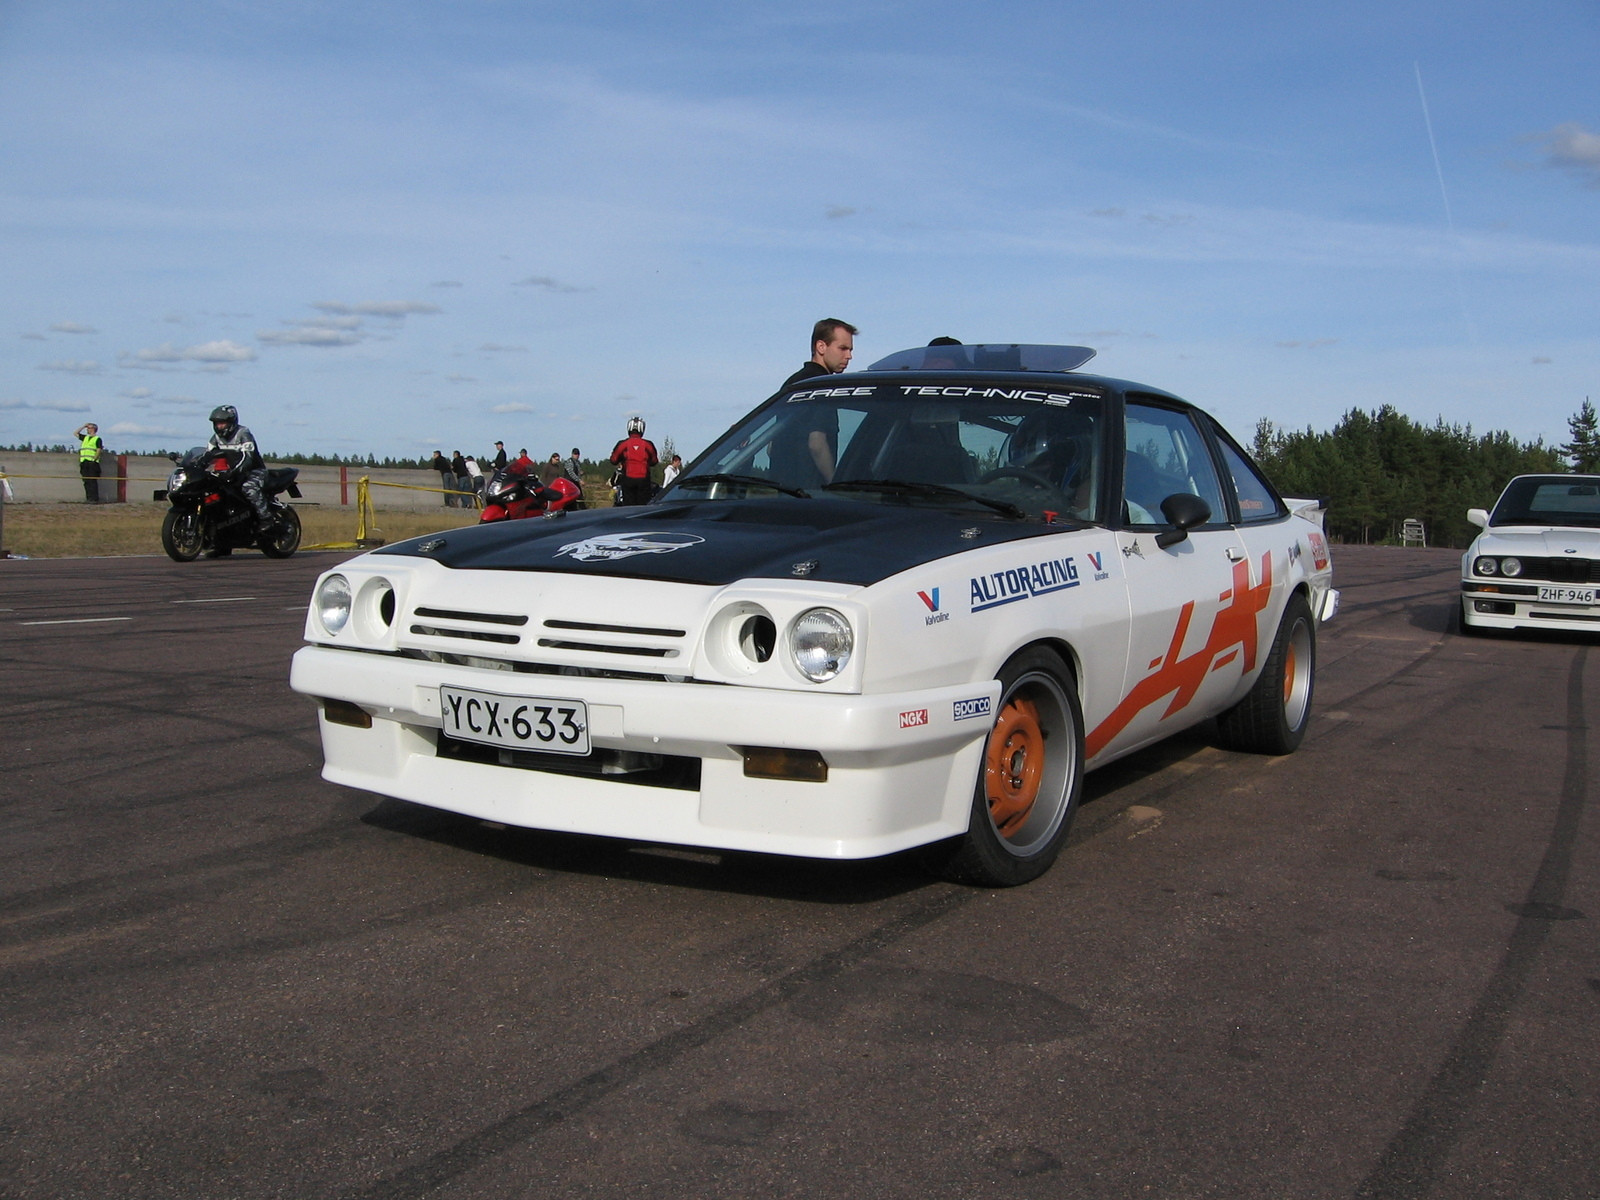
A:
(636, 426)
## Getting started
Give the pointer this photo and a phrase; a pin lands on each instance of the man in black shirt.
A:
(832, 344)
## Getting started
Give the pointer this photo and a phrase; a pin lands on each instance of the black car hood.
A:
(720, 541)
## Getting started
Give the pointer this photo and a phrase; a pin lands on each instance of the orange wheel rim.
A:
(1013, 764)
(1288, 673)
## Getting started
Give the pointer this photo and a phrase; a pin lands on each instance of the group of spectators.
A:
(462, 476)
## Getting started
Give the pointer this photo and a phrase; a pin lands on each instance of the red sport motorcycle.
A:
(512, 496)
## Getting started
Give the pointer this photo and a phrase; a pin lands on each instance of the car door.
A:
(1194, 604)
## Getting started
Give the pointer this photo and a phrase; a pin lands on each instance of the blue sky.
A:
(395, 227)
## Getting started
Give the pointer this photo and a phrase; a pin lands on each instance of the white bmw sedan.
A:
(1536, 565)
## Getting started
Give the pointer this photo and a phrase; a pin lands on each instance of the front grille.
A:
(1565, 569)
(640, 641)
(469, 626)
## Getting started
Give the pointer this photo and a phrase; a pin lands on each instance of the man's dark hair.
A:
(824, 330)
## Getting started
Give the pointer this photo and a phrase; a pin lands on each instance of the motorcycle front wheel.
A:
(284, 539)
(181, 535)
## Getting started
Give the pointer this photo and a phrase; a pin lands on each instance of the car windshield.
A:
(1019, 450)
(1550, 500)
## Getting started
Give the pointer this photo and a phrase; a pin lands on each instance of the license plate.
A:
(1567, 595)
(515, 722)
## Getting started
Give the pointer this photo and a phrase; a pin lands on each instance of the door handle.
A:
(1235, 554)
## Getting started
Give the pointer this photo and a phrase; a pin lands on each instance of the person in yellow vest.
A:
(90, 448)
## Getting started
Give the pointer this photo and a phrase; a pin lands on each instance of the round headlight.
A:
(176, 480)
(821, 641)
(1511, 566)
(1486, 566)
(333, 603)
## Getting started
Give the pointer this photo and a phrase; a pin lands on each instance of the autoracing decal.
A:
(1023, 583)
(1234, 627)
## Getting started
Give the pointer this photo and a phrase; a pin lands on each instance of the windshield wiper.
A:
(905, 487)
(758, 480)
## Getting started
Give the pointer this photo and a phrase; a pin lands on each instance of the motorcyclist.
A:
(635, 456)
(250, 471)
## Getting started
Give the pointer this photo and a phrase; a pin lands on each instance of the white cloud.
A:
(496, 348)
(378, 308)
(73, 366)
(308, 336)
(1573, 148)
(512, 408)
(67, 406)
(549, 284)
(206, 352)
(129, 429)
(139, 393)
(72, 327)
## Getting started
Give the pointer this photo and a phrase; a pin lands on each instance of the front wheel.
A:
(181, 535)
(1030, 779)
(283, 539)
(1272, 717)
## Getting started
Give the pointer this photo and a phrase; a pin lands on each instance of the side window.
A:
(1257, 501)
(1165, 453)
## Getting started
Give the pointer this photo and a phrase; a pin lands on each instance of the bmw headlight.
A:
(332, 603)
(820, 641)
(1486, 566)
(1511, 567)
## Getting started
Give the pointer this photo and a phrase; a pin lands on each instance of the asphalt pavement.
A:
(1368, 969)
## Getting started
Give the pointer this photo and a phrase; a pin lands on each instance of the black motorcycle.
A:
(210, 513)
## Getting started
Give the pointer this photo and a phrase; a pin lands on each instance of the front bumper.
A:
(1517, 606)
(901, 768)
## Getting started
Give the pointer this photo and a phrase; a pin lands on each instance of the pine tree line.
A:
(1379, 469)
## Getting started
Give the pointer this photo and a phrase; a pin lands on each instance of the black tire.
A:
(182, 535)
(284, 539)
(1273, 716)
(1030, 779)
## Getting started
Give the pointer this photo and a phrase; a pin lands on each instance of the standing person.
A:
(463, 481)
(810, 461)
(90, 448)
(672, 470)
(832, 345)
(552, 469)
(475, 476)
(447, 477)
(635, 456)
(251, 470)
(574, 468)
(499, 455)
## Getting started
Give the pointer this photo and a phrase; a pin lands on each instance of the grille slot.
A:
(590, 627)
(600, 648)
(471, 635)
(638, 641)
(453, 614)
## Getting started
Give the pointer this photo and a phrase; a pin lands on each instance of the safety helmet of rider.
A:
(635, 426)
(225, 419)
(1050, 444)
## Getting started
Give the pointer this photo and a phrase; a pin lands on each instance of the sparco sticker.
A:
(626, 545)
(966, 710)
(1023, 583)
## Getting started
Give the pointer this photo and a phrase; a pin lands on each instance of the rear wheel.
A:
(181, 535)
(284, 537)
(1272, 717)
(1029, 781)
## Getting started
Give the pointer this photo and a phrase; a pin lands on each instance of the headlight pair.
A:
(372, 604)
(1508, 567)
(744, 636)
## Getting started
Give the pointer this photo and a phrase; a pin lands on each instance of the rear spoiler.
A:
(1314, 510)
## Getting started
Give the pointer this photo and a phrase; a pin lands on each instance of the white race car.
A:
(903, 607)
(1536, 565)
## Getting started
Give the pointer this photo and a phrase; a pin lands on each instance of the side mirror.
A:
(173, 455)
(1478, 517)
(1183, 511)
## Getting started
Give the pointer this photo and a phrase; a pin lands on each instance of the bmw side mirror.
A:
(1183, 511)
